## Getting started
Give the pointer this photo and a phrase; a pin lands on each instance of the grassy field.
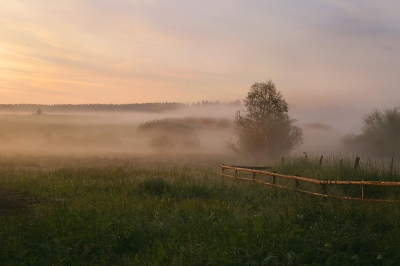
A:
(177, 210)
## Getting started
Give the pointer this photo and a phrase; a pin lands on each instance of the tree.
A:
(264, 130)
(380, 133)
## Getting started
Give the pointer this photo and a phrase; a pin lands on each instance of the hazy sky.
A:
(318, 53)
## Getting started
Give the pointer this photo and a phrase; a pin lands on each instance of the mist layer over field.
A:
(107, 132)
(89, 132)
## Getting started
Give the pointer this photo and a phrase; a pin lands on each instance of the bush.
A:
(177, 135)
(380, 134)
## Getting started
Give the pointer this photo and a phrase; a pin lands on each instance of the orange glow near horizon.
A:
(151, 51)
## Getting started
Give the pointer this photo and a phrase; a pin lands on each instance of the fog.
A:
(105, 132)
(92, 133)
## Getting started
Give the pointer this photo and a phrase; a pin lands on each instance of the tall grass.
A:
(179, 211)
(337, 167)
(342, 167)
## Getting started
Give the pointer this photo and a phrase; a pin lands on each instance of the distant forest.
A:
(130, 107)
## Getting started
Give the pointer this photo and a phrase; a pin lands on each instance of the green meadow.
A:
(125, 209)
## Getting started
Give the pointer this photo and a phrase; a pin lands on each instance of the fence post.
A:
(391, 166)
(296, 182)
(357, 163)
(273, 178)
(223, 168)
(282, 160)
(362, 189)
(320, 160)
(254, 176)
(236, 173)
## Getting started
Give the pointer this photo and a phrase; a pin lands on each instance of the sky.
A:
(321, 54)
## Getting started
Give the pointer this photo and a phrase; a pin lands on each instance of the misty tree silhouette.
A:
(264, 130)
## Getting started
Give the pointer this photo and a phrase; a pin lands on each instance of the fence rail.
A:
(323, 183)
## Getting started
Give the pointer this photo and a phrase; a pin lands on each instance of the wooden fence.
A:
(297, 179)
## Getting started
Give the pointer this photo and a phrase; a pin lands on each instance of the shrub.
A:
(161, 142)
(380, 134)
(177, 135)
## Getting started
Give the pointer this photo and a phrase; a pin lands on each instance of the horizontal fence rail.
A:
(323, 183)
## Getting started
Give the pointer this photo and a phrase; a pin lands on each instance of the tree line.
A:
(97, 107)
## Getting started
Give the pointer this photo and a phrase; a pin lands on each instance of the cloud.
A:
(316, 52)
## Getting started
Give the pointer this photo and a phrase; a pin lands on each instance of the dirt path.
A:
(11, 201)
